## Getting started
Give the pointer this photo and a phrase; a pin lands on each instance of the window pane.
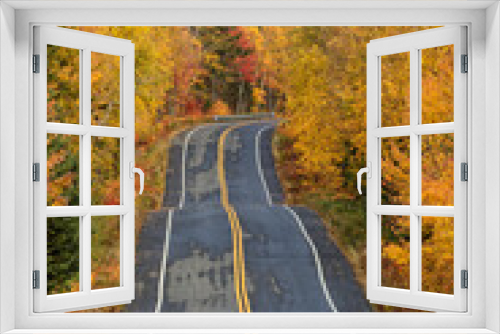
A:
(437, 84)
(437, 254)
(395, 266)
(105, 89)
(395, 172)
(63, 262)
(105, 171)
(63, 84)
(63, 177)
(437, 169)
(395, 89)
(105, 252)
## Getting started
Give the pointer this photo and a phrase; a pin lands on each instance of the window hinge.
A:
(36, 172)
(36, 63)
(464, 172)
(465, 279)
(465, 63)
(36, 279)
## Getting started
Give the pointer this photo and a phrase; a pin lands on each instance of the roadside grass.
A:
(345, 219)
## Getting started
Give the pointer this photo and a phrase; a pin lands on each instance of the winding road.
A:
(225, 243)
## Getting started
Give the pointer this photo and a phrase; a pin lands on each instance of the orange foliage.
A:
(318, 78)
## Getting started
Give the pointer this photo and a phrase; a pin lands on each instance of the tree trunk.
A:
(239, 106)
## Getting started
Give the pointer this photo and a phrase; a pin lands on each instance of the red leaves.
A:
(246, 66)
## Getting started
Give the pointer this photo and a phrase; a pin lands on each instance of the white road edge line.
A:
(170, 215)
(319, 267)
(314, 250)
(163, 268)
(185, 148)
(184, 160)
(259, 163)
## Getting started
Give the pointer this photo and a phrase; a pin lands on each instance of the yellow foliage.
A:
(322, 71)
(259, 95)
(220, 108)
(397, 254)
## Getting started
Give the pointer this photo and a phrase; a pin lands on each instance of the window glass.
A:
(63, 84)
(395, 95)
(437, 254)
(395, 169)
(63, 259)
(437, 84)
(63, 170)
(105, 171)
(105, 252)
(437, 169)
(395, 267)
(105, 89)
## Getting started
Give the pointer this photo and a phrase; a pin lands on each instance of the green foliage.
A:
(62, 254)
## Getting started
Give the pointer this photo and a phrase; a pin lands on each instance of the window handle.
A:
(139, 171)
(368, 171)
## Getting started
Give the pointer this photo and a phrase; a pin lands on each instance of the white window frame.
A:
(413, 44)
(483, 21)
(86, 43)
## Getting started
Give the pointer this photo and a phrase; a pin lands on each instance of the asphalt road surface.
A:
(226, 243)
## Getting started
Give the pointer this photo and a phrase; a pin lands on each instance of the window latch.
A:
(368, 171)
(139, 171)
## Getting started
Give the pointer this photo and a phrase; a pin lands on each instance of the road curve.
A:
(225, 242)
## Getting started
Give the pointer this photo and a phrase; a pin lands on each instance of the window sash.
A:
(413, 43)
(87, 43)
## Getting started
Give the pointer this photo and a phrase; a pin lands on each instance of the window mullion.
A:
(414, 170)
(86, 164)
(86, 121)
(433, 128)
(86, 255)
(420, 129)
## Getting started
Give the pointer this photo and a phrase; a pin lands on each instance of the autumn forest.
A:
(314, 81)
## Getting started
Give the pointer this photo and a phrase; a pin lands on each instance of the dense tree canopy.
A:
(312, 77)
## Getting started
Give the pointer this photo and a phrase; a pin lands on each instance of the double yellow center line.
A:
(239, 256)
